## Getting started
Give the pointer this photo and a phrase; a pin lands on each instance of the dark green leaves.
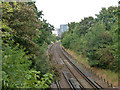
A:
(96, 39)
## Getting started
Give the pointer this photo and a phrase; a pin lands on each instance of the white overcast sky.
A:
(58, 12)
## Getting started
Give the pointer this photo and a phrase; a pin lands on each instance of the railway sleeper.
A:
(87, 78)
(75, 84)
(67, 79)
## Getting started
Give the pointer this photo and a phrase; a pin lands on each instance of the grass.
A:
(108, 75)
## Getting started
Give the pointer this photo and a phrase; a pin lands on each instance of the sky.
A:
(58, 12)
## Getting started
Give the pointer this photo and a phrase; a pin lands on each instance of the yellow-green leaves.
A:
(6, 7)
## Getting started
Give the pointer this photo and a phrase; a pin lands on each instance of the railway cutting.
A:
(72, 76)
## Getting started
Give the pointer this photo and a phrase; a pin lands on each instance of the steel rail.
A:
(50, 49)
(81, 87)
(71, 86)
(67, 80)
(91, 82)
(58, 85)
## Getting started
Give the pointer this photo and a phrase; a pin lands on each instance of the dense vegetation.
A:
(96, 39)
(25, 38)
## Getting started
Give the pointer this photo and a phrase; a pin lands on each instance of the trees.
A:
(96, 39)
(84, 25)
(25, 39)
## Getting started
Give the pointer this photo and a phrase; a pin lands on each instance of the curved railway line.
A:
(73, 77)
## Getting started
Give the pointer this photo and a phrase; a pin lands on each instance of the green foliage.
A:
(17, 73)
(66, 41)
(84, 25)
(14, 65)
(33, 82)
(96, 39)
(22, 25)
(25, 40)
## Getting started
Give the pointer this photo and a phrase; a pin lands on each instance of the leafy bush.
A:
(96, 39)
(25, 40)
(17, 73)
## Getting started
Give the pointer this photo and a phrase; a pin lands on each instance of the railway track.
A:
(91, 82)
(73, 76)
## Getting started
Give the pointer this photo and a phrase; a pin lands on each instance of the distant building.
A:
(63, 28)
(58, 32)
